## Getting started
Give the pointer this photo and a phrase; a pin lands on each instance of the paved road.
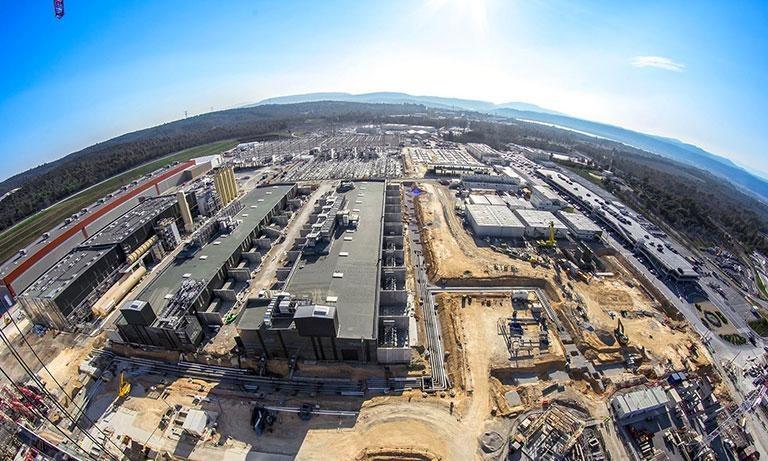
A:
(432, 322)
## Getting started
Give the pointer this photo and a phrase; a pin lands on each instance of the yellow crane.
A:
(125, 387)
(550, 242)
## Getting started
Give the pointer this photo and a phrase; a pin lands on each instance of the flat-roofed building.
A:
(580, 225)
(494, 221)
(517, 203)
(627, 225)
(494, 182)
(61, 298)
(343, 300)
(537, 223)
(477, 199)
(544, 198)
(484, 152)
(199, 286)
(641, 403)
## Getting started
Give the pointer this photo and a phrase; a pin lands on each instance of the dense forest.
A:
(47, 184)
(704, 207)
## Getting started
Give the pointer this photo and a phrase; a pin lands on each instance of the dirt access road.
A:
(453, 253)
(411, 422)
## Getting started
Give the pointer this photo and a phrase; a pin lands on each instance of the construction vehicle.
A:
(125, 387)
(621, 337)
(550, 242)
(305, 412)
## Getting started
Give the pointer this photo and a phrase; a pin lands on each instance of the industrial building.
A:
(494, 221)
(485, 199)
(494, 182)
(641, 403)
(449, 162)
(537, 223)
(544, 198)
(337, 280)
(131, 230)
(484, 152)
(625, 224)
(21, 270)
(516, 203)
(580, 225)
(62, 297)
(200, 286)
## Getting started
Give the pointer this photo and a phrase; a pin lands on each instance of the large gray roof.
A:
(209, 260)
(356, 290)
(122, 227)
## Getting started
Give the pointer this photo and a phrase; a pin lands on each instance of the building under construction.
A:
(203, 283)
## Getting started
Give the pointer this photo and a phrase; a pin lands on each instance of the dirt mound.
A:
(399, 454)
(606, 337)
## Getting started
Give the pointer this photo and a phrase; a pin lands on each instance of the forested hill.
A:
(44, 185)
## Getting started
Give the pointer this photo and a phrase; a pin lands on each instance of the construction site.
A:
(361, 294)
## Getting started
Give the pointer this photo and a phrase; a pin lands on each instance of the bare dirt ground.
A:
(608, 299)
(411, 168)
(453, 252)
(488, 310)
(61, 353)
(426, 425)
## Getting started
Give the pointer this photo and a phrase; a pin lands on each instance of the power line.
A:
(43, 389)
(81, 411)
(40, 414)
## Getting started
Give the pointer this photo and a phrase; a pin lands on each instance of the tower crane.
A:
(748, 405)
(549, 242)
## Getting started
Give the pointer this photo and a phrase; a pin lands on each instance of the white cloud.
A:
(658, 62)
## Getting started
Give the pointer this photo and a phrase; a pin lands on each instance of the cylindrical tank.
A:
(117, 292)
(142, 250)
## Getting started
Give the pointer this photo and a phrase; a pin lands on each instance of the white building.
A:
(495, 182)
(581, 226)
(494, 221)
(517, 203)
(544, 198)
(537, 222)
(641, 402)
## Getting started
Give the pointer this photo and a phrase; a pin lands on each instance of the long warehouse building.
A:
(171, 312)
(625, 223)
(341, 299)
(63, 296)
(21, 270)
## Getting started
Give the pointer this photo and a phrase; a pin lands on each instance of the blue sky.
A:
(696, 71)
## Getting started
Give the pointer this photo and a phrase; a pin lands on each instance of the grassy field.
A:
(761, 285)
(17, 237)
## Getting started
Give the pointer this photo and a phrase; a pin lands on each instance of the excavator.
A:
(550, 242)
(621, 337)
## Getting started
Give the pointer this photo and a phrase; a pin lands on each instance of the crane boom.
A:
(58, 8)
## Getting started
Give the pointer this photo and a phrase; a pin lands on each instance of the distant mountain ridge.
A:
(404, 98)
(666, 147)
